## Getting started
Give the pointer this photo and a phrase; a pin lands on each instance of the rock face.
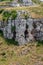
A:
(20, 31)
(24, 35)
(27, 30)
(21, 3)
(27, 2)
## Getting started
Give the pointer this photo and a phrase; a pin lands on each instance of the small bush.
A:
(11, 41)
(1, 33)
(36, 1)
(1, 11)
(39, 43)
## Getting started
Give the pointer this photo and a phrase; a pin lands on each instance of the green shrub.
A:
(36, 1)
(11, 41)
(1, 33)
(39, 43)
(1, 11)
(14, 14)
(6, 15)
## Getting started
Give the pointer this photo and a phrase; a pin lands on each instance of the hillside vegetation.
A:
(36, 1)
(36, 10)
(13, 54)
(29, 54)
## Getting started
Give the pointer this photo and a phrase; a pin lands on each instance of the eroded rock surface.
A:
(27, 30)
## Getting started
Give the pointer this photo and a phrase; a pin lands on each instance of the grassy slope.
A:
(28, 54)
(36, 1)
(36, 10)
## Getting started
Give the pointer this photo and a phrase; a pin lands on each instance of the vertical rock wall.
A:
(26, 30)
(33, 33)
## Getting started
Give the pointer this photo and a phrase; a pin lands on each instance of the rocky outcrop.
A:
(27, 30)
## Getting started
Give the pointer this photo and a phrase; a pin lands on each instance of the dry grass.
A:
(35, 11)
(28, 54)
(4, 3)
